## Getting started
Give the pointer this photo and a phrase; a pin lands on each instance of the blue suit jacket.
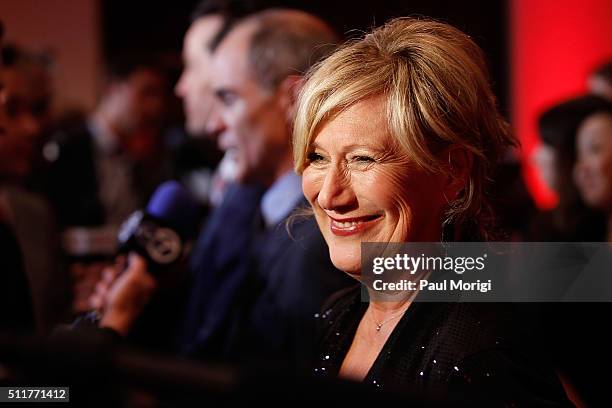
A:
(256, 289)
(291, 277)
(219, 264)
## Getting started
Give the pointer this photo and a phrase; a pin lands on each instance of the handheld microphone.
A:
(161, 233)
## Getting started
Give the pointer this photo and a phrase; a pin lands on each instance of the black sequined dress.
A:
(444, 350)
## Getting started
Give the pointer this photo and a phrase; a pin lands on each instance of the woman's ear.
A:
(459, 168)
(289, 90)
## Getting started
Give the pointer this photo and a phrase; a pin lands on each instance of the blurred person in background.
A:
(28, 95)
(570, 132)
(99, 171)
(92, 181)
(211, 20)
(16, 311)
(593, 168)
(257, 72)
(570, 220)
(28, 106)
(600, 81)
(256, 286)
(193, 86)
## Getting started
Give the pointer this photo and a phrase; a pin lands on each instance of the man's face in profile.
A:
(251, 120)
(193, 86)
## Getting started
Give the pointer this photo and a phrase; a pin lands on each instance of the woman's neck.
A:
(382, 309)
(385, 304)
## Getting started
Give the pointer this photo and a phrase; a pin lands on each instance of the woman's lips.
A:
(350, 226)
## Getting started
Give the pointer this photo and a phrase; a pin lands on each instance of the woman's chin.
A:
(352, 270)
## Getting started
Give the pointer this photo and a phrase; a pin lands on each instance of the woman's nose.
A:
(337, 191)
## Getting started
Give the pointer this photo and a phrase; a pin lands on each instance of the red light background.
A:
(554, 46)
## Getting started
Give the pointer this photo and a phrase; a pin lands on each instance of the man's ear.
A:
(460, 163)
(289, 90)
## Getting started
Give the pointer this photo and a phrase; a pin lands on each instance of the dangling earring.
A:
(446, 235)
(448, 232)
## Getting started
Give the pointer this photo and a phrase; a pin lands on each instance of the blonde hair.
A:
(436, 83)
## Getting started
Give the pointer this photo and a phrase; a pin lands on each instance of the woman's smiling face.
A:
(364, 188)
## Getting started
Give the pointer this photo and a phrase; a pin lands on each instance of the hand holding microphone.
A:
(162, 233)
(128, 295)
(156, 240)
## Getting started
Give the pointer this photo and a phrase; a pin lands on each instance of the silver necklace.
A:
(379, 325)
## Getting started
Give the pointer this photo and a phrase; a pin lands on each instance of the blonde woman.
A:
(395, 137)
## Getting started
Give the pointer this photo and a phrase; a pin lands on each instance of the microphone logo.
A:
(158, 243)
(164, 246)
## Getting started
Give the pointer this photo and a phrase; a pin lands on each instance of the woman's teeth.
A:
(346, 224)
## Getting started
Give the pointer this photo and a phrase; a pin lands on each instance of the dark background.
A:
(151, 27)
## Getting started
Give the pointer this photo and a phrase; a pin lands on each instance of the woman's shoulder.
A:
(338, 316)
(470, 328)
(483, 348)
(341, 299)
(433, 342)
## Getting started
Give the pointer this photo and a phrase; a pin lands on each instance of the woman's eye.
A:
(315, 157)
(363, 159)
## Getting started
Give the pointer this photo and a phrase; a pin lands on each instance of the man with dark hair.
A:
(193, 85)
(210, 22)
(230, 11)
